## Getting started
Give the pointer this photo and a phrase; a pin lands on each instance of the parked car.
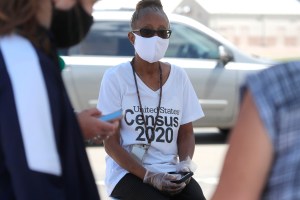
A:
(215, 67)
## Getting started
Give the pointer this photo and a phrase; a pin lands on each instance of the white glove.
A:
(162, 182)
(186, 165)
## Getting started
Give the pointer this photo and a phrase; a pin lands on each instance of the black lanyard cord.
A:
(150, 139)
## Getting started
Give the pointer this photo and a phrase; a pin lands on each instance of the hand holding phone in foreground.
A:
(95, 130)
(117, 115)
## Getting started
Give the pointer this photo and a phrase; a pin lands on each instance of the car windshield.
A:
(109, 38)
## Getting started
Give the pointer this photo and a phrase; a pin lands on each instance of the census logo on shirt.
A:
(167, 122)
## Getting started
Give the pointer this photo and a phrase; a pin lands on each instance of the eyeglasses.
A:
(147, 33)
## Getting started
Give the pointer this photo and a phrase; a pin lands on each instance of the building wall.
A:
(193, 10)
(272, 36)
(269, 36)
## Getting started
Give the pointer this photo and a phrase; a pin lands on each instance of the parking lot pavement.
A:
(208, 157)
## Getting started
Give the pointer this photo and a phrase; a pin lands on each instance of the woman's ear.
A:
(131, 37)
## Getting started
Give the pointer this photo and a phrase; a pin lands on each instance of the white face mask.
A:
(150, 49)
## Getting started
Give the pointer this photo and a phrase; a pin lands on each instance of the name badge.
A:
(138, 151)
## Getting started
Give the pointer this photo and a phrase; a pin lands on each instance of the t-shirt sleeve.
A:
(192, 109)
(257, 85)
(274, 91)
(109, 99)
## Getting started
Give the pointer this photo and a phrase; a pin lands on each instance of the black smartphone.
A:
(184, 176)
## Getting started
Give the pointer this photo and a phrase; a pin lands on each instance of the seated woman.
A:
(159, 104)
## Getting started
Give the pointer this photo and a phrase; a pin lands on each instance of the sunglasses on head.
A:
(147, 33)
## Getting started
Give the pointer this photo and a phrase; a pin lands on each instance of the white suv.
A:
(215, 66)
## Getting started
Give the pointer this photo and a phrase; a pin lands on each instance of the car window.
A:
(186, 42)
(105, 38)
(109, 38)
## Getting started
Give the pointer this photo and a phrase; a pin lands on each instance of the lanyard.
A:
(150, 139)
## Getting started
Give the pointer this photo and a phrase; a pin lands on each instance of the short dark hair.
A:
(146, 5)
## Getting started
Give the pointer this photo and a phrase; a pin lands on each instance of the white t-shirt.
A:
(179, 105)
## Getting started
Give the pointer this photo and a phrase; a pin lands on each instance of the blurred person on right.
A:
(263, 159)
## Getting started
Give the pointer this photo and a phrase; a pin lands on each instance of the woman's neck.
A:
(144, 68)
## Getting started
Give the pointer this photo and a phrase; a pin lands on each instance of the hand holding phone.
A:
(185, 176)
(112, 116)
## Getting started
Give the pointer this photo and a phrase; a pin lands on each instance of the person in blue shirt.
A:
(263, 159)
(42, 151)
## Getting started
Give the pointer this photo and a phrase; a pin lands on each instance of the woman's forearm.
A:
(186, 141)
(124, 159)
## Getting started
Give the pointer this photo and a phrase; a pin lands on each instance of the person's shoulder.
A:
(119, 69)
(176, 69)
(179, 72)
(282, 80)
(285, 66)
(288, 74)
(292, 64)
(282, 71)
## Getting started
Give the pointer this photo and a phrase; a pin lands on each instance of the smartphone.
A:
(112, 116)
(185, 176)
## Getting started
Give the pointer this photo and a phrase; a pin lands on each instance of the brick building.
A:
(262, 27)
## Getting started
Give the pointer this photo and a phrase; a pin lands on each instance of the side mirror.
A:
(225, 56)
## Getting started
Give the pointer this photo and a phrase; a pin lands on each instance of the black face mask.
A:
(69, 27)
